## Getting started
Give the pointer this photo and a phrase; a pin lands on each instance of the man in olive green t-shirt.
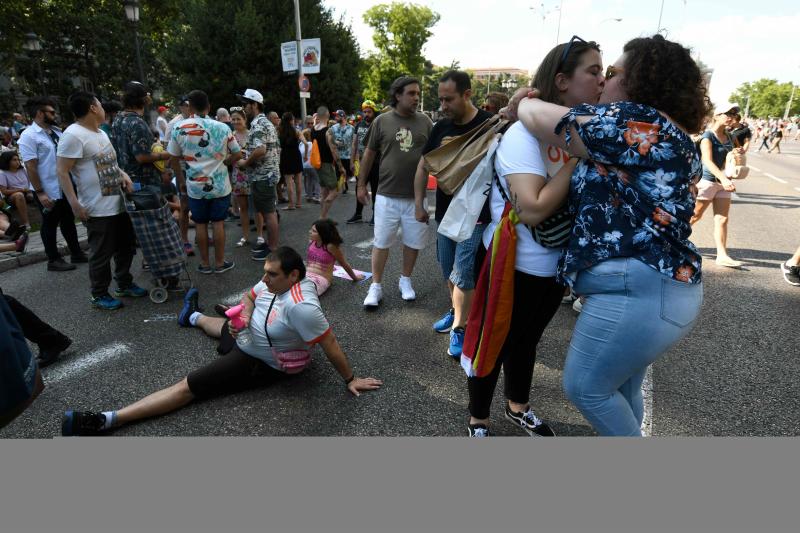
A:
(397, 137)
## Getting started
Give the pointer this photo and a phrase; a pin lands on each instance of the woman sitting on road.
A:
(283, 320)
(629, 252)
(323, 252)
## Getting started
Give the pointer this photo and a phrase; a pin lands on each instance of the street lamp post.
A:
(33, 44)
(299, 56)
(789, 104)
(132, 14)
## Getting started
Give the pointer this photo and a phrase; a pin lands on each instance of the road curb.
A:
(29, 258)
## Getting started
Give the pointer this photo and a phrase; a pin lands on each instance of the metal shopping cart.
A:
(159, 238)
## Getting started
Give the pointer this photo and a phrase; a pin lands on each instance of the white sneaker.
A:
(406, 290)
(577, 306)
(374, 295)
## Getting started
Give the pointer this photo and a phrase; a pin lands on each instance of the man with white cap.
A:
(262, 167)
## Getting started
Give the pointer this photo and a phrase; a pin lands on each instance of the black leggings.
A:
(536, 300)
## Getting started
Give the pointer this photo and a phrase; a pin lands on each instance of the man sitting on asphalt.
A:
(283, 321)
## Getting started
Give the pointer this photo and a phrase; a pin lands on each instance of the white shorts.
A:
(392, 214)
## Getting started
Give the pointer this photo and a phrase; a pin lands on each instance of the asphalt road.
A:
(736, 374)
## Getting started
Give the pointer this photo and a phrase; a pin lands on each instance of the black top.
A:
(324, 150)
(442, 133)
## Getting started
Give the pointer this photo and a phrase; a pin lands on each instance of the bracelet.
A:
(350, 379)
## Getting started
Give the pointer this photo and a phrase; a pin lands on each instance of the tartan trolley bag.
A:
(159, 238)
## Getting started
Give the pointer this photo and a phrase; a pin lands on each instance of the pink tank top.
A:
(319, 254)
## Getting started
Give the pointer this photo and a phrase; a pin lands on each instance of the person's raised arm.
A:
(339, 361)
(541, 118)
(534, 200)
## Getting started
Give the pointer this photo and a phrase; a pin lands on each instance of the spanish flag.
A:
(490, 316)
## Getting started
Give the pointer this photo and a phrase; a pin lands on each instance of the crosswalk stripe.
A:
(779, 180)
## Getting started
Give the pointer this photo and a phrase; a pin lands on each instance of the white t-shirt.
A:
(96, 173)
(296, 321)
(161, 126)
(521, 153)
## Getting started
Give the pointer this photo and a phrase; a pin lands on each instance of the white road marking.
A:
(797, 188)
(647, 393)
(755, 168)
(100, 355)
(364, 244)
(162, 318)
(767, 174)
(235, 297)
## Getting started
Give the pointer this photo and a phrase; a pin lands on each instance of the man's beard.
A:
(50, 121)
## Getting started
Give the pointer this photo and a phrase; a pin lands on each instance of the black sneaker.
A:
(48, 356)
(529, 422)
(791, 274)
(86, 423)
(479, 431)
(261, 253)
(353, 219)
(59, 265)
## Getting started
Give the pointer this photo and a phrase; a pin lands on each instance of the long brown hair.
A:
(286, 131)
(544, 79)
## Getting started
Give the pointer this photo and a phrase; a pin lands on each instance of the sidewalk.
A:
(34, 252)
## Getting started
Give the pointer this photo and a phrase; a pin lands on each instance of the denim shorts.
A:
(205, 210)
(457, 259)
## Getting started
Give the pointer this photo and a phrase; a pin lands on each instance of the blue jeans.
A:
(457, 259)
(631, 316)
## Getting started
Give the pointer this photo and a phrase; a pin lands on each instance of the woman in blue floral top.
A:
(629, 252)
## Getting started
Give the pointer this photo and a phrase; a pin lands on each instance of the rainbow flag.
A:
(490, 316)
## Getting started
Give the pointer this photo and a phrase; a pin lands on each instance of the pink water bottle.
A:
(235, 315)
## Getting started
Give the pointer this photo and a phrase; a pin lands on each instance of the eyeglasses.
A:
(612, 71)
(237, 108)
(567, 48)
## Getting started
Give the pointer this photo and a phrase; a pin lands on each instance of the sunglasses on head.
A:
(567, 48)
(237, 108)
(612, 71)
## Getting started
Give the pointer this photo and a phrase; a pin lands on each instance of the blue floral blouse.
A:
(632, 198)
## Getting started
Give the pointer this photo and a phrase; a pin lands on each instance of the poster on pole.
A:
(311, 51)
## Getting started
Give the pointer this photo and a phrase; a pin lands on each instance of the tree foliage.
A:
(768, 98)
(400, 33)
(250, 56)
(220, 47)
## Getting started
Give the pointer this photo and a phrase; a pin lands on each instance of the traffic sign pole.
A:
(299, 57)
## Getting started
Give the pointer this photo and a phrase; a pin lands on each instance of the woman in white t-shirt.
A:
(531, 175)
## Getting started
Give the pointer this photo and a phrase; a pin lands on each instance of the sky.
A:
(739, 39)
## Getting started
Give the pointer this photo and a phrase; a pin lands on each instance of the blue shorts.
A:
(209, 210)
(457, 259)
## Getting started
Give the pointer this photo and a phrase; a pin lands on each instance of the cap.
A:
(252, 95)
(369, 103)
(340, 113)
(161, 109)
(725, 109)
(182, 100)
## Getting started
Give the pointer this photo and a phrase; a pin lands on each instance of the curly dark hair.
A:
(662, 74)
(286, 131)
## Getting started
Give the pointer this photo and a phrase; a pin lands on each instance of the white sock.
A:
(111, 418)
(377, 284)
(195, 317)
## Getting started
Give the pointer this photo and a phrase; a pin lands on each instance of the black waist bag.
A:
(555, 231)
(144, 200)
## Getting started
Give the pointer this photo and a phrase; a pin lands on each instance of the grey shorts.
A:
(263, 196)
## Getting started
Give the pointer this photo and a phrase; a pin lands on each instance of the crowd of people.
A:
(615, 151)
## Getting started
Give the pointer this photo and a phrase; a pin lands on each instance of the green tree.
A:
(84, 44)
(250, 55)
(400, 33)
(768, 98)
